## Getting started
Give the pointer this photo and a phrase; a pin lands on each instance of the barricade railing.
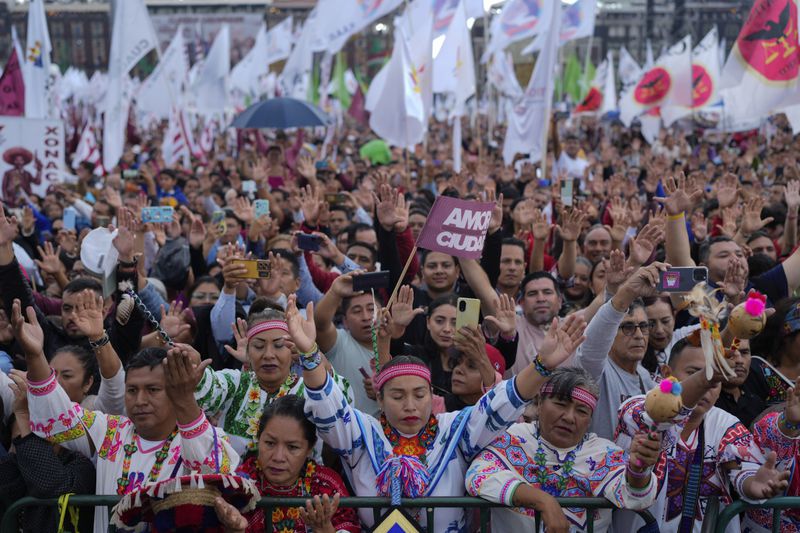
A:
(739, 506)
(10, 519)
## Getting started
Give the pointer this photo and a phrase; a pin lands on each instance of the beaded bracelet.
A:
(791, 426)
(540, 368)
(312, 360)
(638, 475)
(99, 343)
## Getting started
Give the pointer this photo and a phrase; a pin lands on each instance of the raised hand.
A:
(124, 241)
(229, 516)
(571, 224)
(751, 220)
(616, 271)
(240, 337)
(19, 386)
(302, 330)
(50, 262)
(505, 317)
(682, 195)
(540, 227)
(319, 512)
(390, 208)
(562, 340)
(641, 247)
(727, 190)
(310, 204)
(644, 282)
(89, 314)
(699, 226)
(244, 210)
(343, 285)
(735, 280)
(792, 195)
(174, 321)
(29, 333)
(182, 374)
(6, 330)
(307, 168)
(497, 210)
(8, 229)
(402, 310)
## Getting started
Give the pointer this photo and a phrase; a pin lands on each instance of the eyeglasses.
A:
(628, 328)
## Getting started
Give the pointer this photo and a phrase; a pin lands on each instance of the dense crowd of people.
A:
(176, 359)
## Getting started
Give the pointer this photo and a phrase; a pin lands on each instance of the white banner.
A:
(31, 155)
(199, 30)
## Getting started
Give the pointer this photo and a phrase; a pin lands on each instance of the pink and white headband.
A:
(266, 326)
(395, 371)
(578, 394)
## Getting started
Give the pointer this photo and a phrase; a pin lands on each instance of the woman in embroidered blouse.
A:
(532, 464)
(428, 454)
(778, 367)
(236, 398)
(284, 468)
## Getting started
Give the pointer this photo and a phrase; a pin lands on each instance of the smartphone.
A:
(249, 187)
(371, 280)
(261, 208)
(256, 268)
(102, 221)
(157, 215)
(468, 311)
(682, 279)
(336, 198)
(567, 192)
(218, 220)
(308, 242)
(69, 218)
(132, 175)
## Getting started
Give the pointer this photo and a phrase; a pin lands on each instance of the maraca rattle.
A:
(749, 318)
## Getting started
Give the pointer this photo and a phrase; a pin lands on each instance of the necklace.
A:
(253, 406)
(285, 518)
(124, 481)
(418, 445)
(556, 483)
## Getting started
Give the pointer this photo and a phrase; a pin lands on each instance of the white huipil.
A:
(597, 469)
(195, 447)
(360, 441)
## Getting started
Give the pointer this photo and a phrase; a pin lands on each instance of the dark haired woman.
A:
(284, 468)
(776, 361)
(410, 452)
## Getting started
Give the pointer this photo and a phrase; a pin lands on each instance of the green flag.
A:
(313, 86)
(587, 79)
(572, 78)
(339, 87)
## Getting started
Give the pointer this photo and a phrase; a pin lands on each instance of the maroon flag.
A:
(456, 227)
(12, 88)
(357, 109)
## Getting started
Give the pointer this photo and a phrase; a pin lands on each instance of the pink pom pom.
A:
(754, 306)
(666, 386)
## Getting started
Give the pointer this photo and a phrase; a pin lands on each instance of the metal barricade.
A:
(776, 504)
(9, 522)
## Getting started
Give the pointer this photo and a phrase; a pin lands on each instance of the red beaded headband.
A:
(401, 370)
(578, 394)
(266, 326)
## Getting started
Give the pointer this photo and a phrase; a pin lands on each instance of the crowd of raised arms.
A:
(177, 360)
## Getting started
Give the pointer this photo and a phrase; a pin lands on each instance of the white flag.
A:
(401, 121)
(87, 149)
(601, 97)
(279, 41)
(296, 72)
(629, 69)
(649, 60)
(36, 69)
(762, 74)
(131, 39)
(501, 74)
(246, 75)
(21, 55)
(178, 139)
(577, 20)
(454, 67)
(705, 79)
(164, 87)
(211, 87)
(417, 24)
(668, 82)
(519, 19)
(610, 88)
(528, 117)
(343, 18)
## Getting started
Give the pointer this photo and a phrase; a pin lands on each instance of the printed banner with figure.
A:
(456, 227)
(31, 156)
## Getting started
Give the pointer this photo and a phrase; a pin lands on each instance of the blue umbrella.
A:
(281, 113)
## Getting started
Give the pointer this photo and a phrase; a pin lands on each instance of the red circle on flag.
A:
(653, 86)
(768, 40)
(702, 86)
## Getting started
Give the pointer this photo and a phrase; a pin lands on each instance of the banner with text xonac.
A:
(31, 156)
(456, 227)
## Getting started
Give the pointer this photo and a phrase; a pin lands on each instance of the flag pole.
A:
(402, 276)
(586, 59)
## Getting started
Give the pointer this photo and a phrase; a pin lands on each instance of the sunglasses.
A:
(629, 328)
